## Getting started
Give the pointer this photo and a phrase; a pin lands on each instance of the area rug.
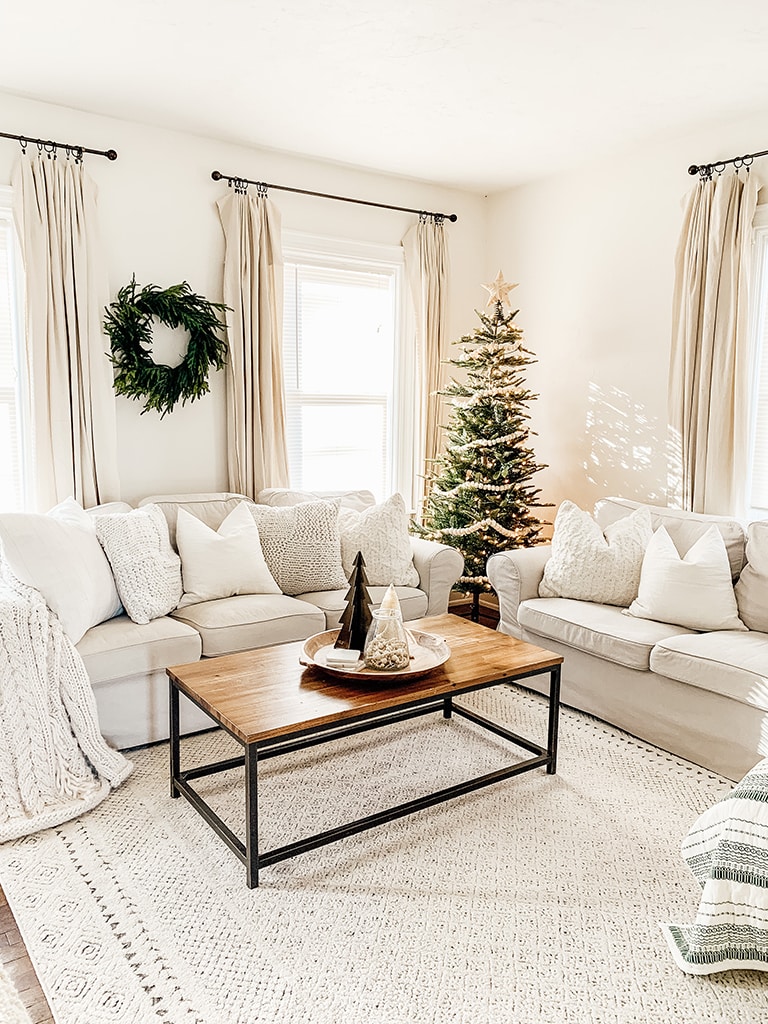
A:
(535, 901)
(11, 1007)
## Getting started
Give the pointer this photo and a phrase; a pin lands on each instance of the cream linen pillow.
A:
(59, 554)
(589, 565)
(224, 562)
(381, 533)
(752, 588)
(146, 568)
(301, 545)
(695, 591)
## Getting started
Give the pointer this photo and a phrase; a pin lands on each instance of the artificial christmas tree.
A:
(356, 617)
(480, 496)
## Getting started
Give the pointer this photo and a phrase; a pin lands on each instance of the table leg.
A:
(174, 744)
(251, 816)
(447, 706)
(554, 715)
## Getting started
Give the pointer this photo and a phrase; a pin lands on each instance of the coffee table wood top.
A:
(265, 693)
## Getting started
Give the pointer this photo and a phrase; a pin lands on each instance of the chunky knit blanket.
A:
(54, 762)
(727, 852)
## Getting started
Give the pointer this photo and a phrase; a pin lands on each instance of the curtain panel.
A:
(72, 400)
(709, 360)
(253, 289)
(426, 261)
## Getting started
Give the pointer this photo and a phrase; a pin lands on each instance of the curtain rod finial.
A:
(452, 218)
(111, 154)
(693, 169)
(216, 175)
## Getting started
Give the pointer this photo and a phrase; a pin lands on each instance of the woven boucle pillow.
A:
(301, 545)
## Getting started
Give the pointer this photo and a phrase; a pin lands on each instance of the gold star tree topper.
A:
(498, 290)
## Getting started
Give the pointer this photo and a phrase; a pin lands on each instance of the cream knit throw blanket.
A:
(54, 762)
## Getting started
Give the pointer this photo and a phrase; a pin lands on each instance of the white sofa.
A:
(126, 661)
(702, 696)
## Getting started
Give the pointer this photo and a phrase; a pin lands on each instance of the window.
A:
(349, 378)
(12, 462)
(757, 493)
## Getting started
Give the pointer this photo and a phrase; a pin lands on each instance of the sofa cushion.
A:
(223, 562)
(413, 602)
(280, 497)
(730, 663)
(147, 570)
(684, 528)
(589, 565)
(241, 623)
(301, 545)
(59, 554)
(599, 629)
(212, 509)
(120, 647)
(752, 588)
(381, 533)
(694, 591)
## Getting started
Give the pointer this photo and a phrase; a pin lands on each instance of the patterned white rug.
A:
(536, 901)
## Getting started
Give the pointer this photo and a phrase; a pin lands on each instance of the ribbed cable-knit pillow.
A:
(301, 545)
(147, 570)
(589, 565)
(381, 533)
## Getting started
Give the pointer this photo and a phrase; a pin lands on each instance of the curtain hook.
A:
(23, 143)
(261, 189)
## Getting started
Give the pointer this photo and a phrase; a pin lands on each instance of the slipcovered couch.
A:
(126, 660)
(700, 695)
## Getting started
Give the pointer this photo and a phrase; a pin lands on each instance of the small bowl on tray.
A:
(427, 652)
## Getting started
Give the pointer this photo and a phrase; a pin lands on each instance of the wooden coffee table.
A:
(272, 705)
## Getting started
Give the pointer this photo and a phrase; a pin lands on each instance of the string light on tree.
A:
(481, 496)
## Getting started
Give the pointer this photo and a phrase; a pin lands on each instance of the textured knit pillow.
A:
(147, 570)
(695, 591)
(59, 554)
(589, 565)
(224, 562)
(381, 533)
(301, 545)
(752, 588)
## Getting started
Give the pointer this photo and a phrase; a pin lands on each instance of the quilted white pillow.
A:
(224, 562)
(147, 570)
(752, 588)
(381, 533)
(301, 545)
(59, 554)
(695, 591)
(589, 565)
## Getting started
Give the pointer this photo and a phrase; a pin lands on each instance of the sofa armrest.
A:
(439, 567)
(515, 576)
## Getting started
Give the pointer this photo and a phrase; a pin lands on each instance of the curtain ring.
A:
(261, 189)
(23, 143)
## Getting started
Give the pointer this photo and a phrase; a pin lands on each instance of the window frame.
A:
(403, 414)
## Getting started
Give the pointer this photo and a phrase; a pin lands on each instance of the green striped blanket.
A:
(727, 851)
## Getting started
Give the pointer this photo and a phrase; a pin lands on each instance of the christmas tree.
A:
(356, 617)
(480, 497)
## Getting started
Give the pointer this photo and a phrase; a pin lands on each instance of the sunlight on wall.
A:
(631, 453)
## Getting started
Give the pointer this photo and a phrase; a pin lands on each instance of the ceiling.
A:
(477, 94)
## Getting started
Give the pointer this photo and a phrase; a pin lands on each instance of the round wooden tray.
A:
(427, 652)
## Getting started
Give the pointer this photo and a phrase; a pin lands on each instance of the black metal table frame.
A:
(248, 852)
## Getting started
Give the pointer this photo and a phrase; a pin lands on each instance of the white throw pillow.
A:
(695, 591)
(147, 570)
(381, 533)
(752, 588)
(59, 554)
(224, 562)
(589, 565)
(301, 545)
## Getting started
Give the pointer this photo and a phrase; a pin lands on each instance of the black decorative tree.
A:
(480, 496)
(356, 617)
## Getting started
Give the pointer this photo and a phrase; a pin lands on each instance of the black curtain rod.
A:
(236, 181)
(48, 146)
(707, 170)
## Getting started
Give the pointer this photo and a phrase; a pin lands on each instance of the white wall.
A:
(159, 221)
(593, 250)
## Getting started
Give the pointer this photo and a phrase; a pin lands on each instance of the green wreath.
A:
(128, 323)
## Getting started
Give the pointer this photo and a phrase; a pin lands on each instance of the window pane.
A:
(759, 496)
(11, 463)
(341, 446)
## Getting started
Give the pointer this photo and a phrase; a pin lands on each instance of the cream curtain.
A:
(72, 401)
(426, 261)
(253, 289)
(709, 363)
